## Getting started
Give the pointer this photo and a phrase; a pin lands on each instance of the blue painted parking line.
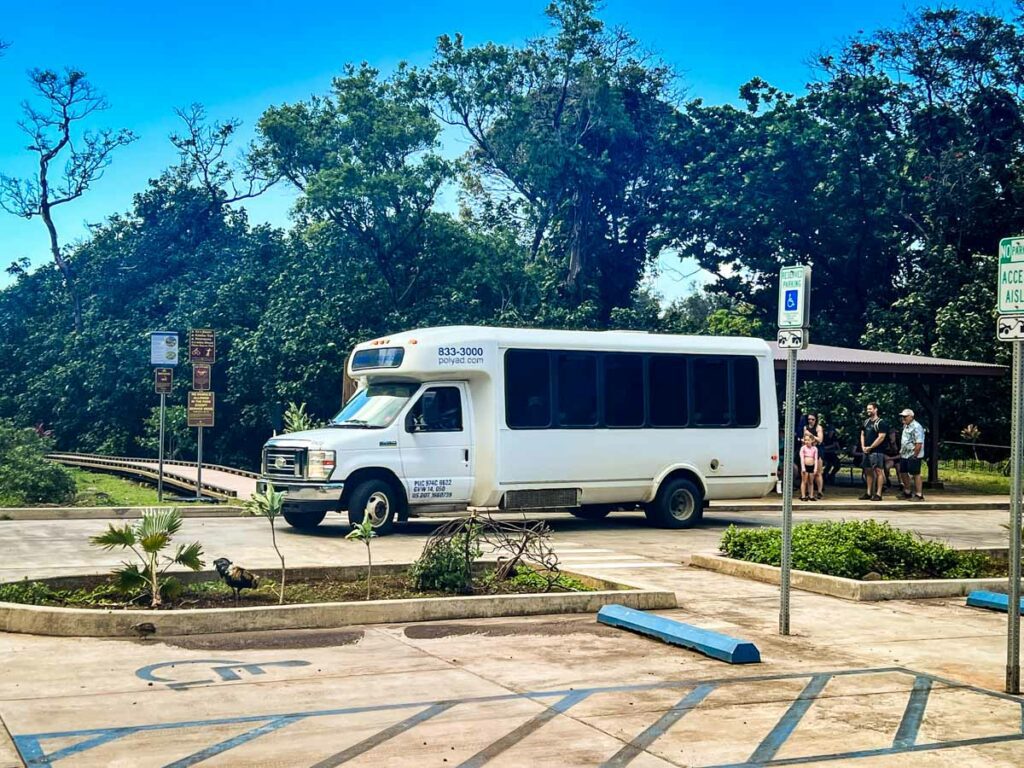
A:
(650, 734)
(783, 729)
(562, 702)
(906, 734)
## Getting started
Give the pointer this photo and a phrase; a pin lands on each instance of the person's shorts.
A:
(874, 460)
(809, 468)
(910, 466)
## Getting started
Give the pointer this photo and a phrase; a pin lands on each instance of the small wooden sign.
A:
(201, 377)
(202, 346)
(200, 409)
(163, 380)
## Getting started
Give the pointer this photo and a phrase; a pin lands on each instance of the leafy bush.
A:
(446, 564)
(26, 476)
(529, 579)
(36, 593)
(854, 548)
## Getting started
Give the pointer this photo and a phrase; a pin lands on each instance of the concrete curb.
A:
(847, 589)
(862, 506)
(114, 513)
(92, 622)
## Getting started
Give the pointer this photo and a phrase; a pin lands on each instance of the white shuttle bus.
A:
(446, 419)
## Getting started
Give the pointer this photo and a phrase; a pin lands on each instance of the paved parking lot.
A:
(888, 684)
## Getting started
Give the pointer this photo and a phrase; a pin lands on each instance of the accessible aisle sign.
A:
(1011, 275)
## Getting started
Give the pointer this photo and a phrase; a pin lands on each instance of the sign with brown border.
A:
(163, 380)
(200, 409)
(202, 346)
(200, 377)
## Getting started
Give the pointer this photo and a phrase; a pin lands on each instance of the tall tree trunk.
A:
(65, 268)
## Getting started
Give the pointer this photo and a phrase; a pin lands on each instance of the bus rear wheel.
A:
(377, 500)
(679, 504)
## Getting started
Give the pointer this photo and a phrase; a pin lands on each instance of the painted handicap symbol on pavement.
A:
(223, 670)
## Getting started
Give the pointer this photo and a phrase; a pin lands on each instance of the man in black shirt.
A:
(872, 442)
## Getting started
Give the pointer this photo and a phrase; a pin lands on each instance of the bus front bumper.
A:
(306, 497)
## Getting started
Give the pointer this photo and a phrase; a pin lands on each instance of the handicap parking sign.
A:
(794, 297)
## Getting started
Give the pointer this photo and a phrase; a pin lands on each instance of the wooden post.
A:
(931, 401)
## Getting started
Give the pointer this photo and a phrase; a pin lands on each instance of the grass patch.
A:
(216, 594)
(974, 481)
(855, 548)
(97, 489)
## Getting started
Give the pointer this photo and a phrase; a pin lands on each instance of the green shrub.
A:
(446, 564)
(26, 476)
(854, 548)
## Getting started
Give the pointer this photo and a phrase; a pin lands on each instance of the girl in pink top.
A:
(808, 466)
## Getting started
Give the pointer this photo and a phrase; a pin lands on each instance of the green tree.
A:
(66, 99)
(567, 135)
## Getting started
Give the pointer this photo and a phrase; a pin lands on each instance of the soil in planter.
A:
(216, 594)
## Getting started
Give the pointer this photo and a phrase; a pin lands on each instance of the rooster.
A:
(235, 576)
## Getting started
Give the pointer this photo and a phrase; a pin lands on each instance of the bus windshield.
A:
(374, 407)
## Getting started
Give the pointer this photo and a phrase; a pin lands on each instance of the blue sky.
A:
(238, 58)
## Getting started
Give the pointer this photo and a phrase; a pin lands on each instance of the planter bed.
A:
(259, 609)
(848, 589)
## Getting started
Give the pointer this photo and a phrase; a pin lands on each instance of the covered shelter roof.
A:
(824, 363)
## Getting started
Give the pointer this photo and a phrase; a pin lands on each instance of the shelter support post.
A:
(930, 396)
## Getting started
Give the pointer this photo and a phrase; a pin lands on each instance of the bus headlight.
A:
(320, 465)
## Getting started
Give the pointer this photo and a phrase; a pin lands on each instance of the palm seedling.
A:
(147, 539)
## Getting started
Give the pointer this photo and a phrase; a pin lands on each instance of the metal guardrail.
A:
(133, 466)
(172, 462)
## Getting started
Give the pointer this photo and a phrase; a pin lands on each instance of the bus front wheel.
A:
(377, 500)
(679, 504)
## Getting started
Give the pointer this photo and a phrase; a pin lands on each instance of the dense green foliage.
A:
(26, 476)
(855, 548)
(894, 175)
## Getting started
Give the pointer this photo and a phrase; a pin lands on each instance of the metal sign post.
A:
(1010, 290)
(163, 352)
(1016, 446)
(199, 467)
(794, 317)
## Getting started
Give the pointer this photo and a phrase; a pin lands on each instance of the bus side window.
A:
(439, 409)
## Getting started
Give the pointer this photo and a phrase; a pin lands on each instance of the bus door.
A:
(436, 446)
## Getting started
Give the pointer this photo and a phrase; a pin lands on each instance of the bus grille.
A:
(284, 462)
(549, 498)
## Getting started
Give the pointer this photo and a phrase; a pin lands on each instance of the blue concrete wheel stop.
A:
(993, 601)
(713, 644)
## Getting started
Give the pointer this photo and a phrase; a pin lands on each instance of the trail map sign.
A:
(200, 377)
(200, 409)
(202, 346)
(163, 348)
(163, 380)
(1011, 275)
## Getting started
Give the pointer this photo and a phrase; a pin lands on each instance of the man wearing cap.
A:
(911, 453)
